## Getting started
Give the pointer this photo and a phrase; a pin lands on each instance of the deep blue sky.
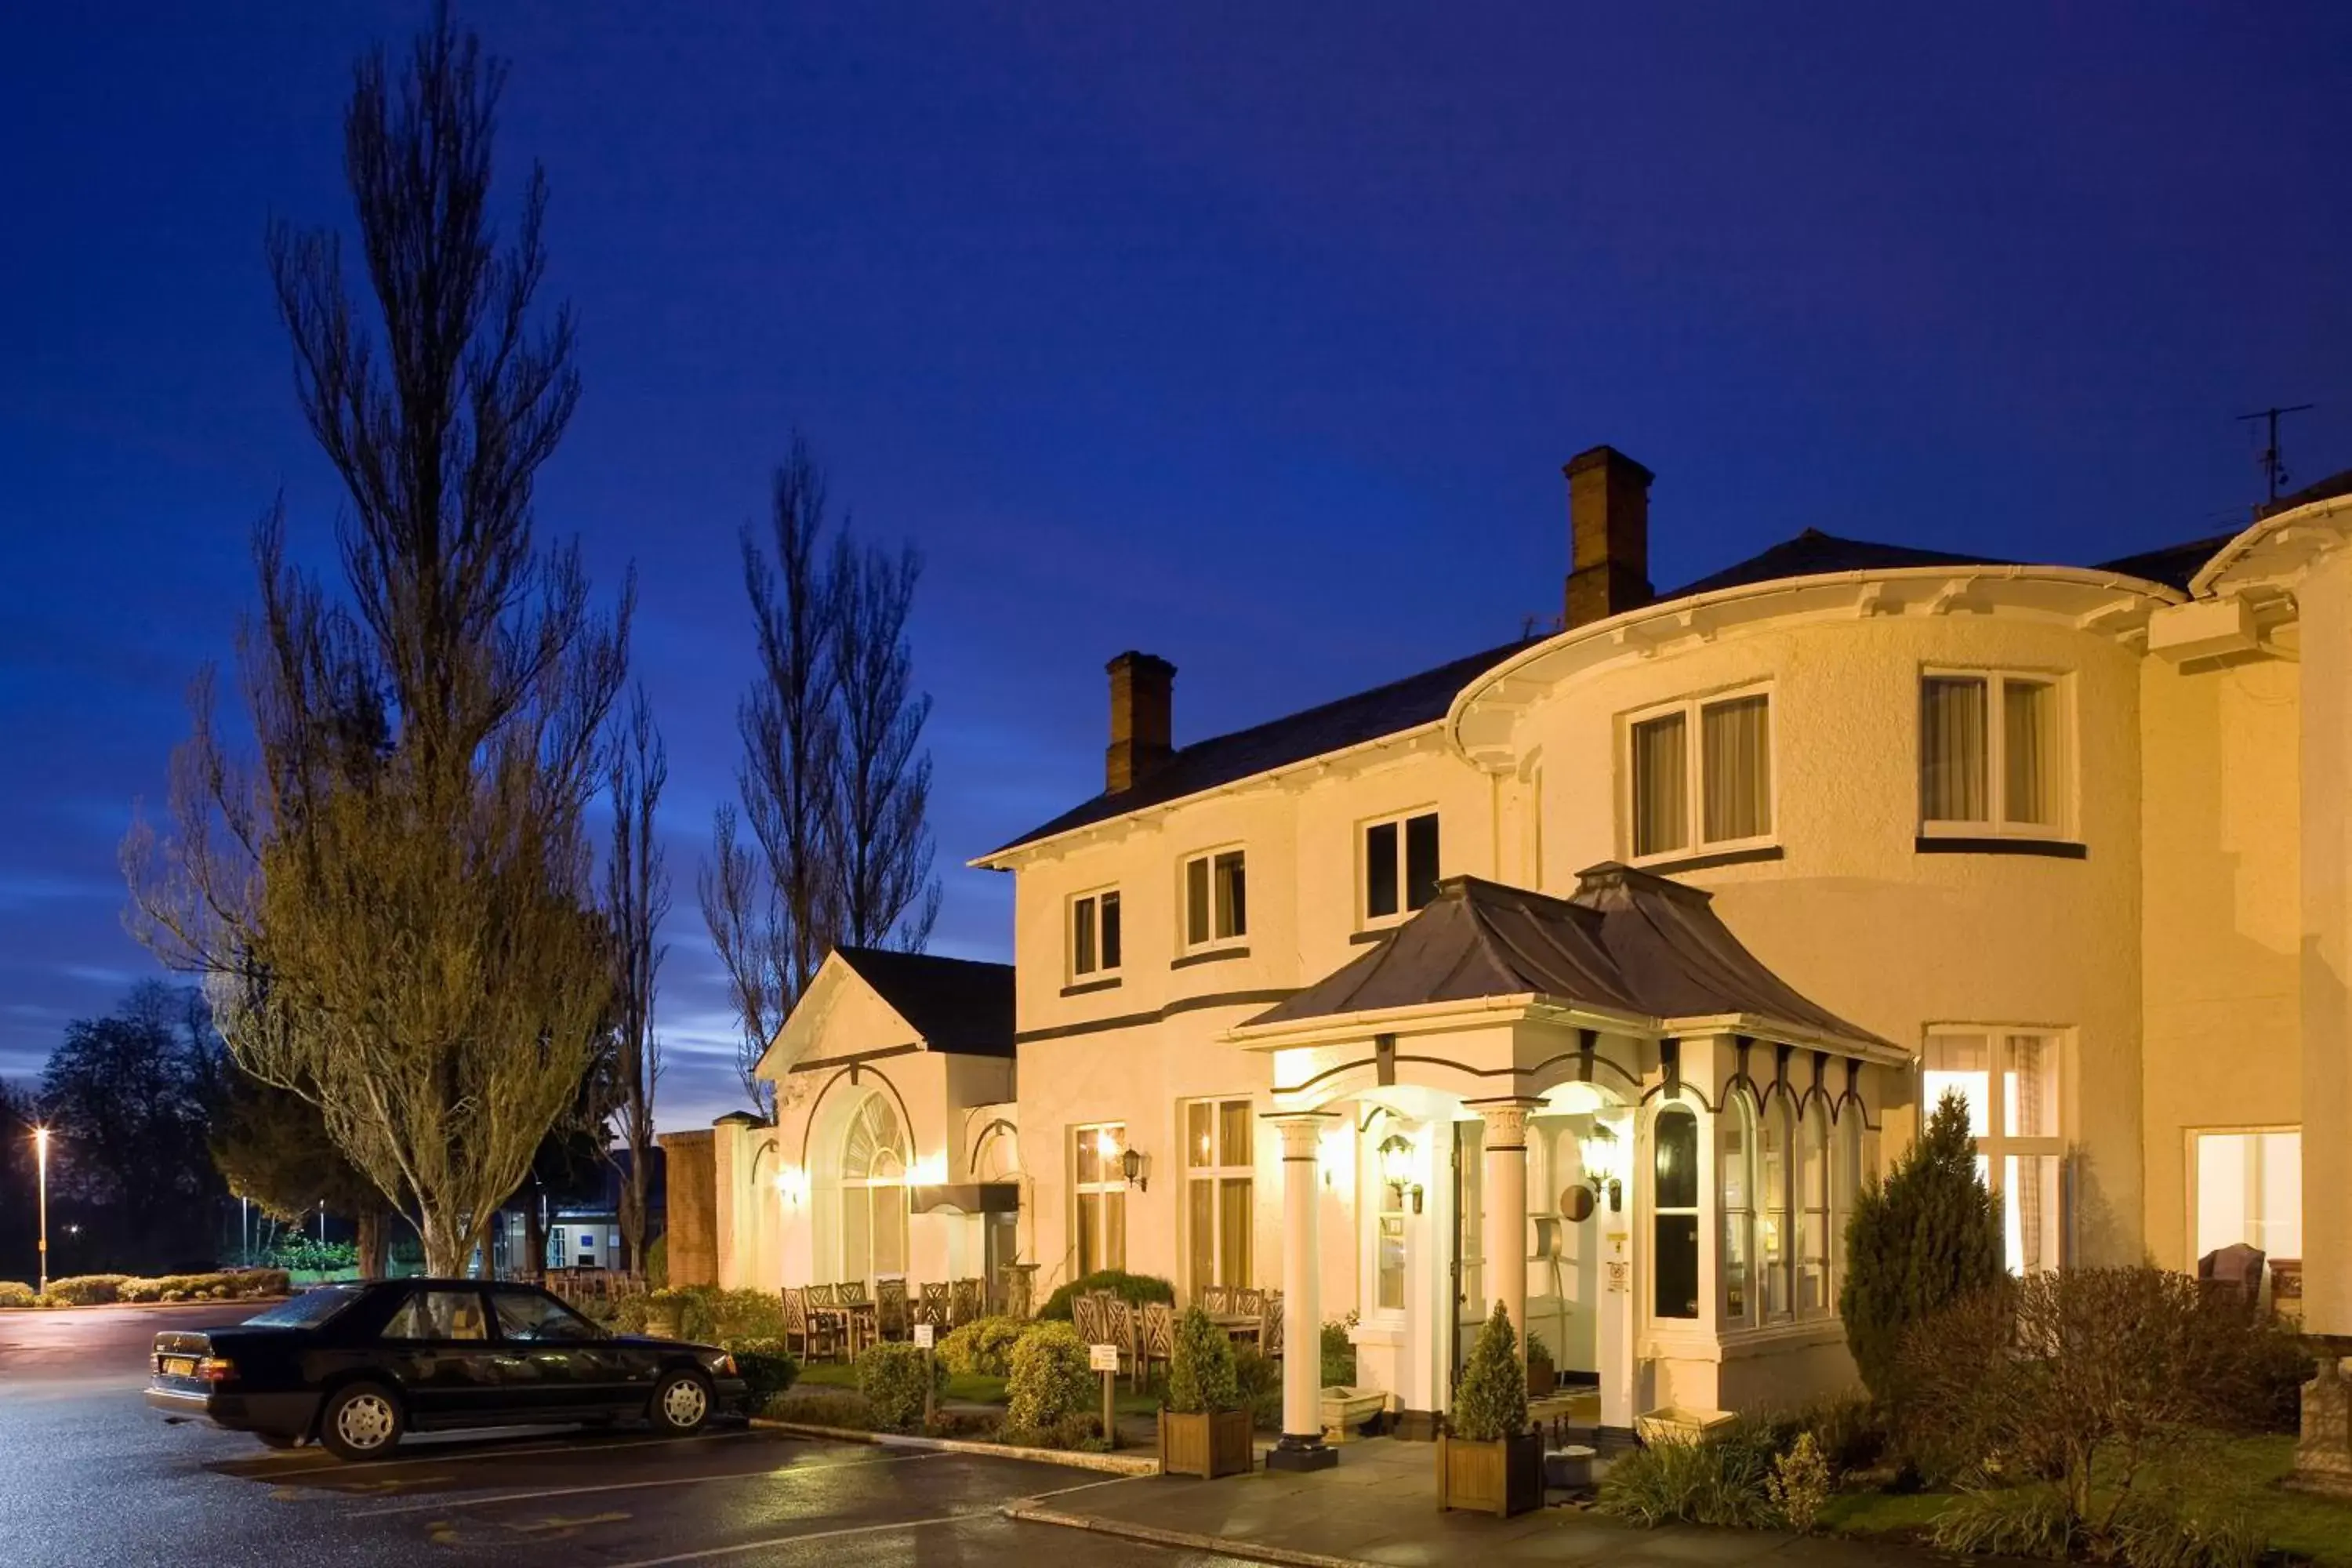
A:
(1251, 335)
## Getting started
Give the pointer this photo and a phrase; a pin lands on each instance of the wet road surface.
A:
(87, 1474)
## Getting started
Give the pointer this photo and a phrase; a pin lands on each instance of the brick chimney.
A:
(1143, 687)
(1609, 535)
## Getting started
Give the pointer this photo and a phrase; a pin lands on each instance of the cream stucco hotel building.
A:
(1593, 972)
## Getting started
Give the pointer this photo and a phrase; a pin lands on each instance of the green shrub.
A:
(86, 1290)
(1925, 1239)
(1492, 1402)
(984, 1346)
(1201, 1374)
(1724, 1479)
(2010, 1522)
(1847, 1431)
(1800, 1483)
(658, 1261)
(1136, 1288)
(850, 1412)
(766, 1367)
(707, 1314)
(1049, 1379)
(1542, 1377)
(1073, 1434)
(15, 1293)
(1338, 1356)
(892, 1374)
(1258, 1386)
(2149, 1534)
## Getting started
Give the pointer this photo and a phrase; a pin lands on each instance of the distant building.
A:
(1592, 973)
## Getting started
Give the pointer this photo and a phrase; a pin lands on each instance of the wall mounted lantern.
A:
(792, 1185)
(1602, 1153)
(1396, 1168)
(1131, 1164)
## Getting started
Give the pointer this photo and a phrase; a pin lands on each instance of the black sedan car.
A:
(354, 1366)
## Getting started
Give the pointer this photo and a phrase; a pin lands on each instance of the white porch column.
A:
(1302, 1447)
(1503, 1228)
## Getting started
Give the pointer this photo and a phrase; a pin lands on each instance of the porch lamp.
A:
(1396, 1168)
(1131, 1164)
(1598, 1148)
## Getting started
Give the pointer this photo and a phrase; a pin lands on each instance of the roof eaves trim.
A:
(2331, 516)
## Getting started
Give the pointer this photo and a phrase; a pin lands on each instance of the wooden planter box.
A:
(1502, 1478)
(1208, 1443)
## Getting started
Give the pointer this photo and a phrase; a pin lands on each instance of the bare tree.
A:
(406, 862)
(636, 899)
(834, 785)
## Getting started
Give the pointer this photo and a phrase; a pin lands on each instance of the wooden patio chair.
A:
(1217, 1300)
(1087, 1316)
(813, 1331)
(890, 1319)
(1269, 1332)
(1156, 1338)
(966, 1302)
(932, 1307)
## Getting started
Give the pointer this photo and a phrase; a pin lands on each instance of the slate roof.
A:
(2173, 566)
(1388, 709)
(1626, 942)
(2329, 489)
(1814, 553)
(954, 1003)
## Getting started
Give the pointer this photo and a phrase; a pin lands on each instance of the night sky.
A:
(1254, 336)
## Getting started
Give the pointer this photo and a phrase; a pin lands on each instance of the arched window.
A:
(1774, 1140)
(1845, 1184)
(873, 1193)
(1673, 1207)
(1814, 1209)
(1735, 1168)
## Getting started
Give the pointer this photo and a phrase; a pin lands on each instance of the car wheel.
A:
(361, 1421)
(681, 1403)
(278, 1440)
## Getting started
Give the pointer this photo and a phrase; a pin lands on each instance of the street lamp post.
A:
(41, 1158)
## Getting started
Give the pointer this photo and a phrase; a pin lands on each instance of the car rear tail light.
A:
(214, 1369)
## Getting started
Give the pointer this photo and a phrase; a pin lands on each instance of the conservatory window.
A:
(1673, 1207)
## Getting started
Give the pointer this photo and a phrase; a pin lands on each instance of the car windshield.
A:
(308, 1310)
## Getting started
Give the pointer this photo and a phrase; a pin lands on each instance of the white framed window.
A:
(2011, 1082)
(1096, 938)
(1736, 1191)
(1220, 1192)
(1775, 1146)
(2249, 1188)
(1812, 1204)
(1701, 775)
(1399, 865)
(1098, 1195)
(873, 1193)
(1217, 899)
(1994, 753)
(1674, 1210)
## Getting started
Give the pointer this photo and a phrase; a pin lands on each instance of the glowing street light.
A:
(41, 1155)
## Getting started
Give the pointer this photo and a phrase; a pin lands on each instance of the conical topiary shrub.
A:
(1921, 1240)
(1200, 1372)
(1492, 1403)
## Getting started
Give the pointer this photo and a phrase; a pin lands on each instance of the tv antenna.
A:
(2273, 463)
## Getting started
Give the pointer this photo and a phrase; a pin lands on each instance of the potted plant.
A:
(1488, 1458)
(1204, 1429)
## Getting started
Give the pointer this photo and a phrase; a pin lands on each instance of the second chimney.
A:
(1142, 691)
(1609, 535)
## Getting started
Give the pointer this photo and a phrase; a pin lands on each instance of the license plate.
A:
(179, 1366)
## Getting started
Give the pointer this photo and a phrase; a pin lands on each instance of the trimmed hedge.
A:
(1050, 1380)
(86, 1290)
(1136, 1288)
(766, 1367)
(15, 1293)
(98, 1289)
(890, 1374)
(850, 1412)
(984, 1346)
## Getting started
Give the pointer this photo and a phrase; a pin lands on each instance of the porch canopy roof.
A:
(1633, 949)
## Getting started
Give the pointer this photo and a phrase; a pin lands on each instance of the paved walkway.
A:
(1379, 1505)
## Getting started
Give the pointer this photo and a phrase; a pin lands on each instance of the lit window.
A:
(1735, 1170)
(1991, 754)
(1098, 1195)
(1400, 865)
(1774, 1140)
(1094, 938)
(1220, 1184)
(2250, 1190)
(1813, 1207)
(873, 1193)
(1216, 898)
(2011, 1082)
(1725, 746)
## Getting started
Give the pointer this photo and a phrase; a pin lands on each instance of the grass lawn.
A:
(973, 1388)
(2316, 1529)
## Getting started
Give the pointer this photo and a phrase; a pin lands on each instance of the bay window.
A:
(1673, 1207)
(1701, 777)
(1773, 1143)
(1736, 1184)
(1991, 753)
(1813, 1207)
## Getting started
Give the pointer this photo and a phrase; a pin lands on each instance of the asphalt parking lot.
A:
(87, 1474)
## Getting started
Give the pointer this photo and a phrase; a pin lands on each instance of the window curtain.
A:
(2028, 737)
(1737, 751)
(1952, 748)
(1661, 819)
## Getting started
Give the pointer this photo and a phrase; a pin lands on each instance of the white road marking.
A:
(1085, 1487)
(707, 1553)
(442, 1505)
(278, 1465)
